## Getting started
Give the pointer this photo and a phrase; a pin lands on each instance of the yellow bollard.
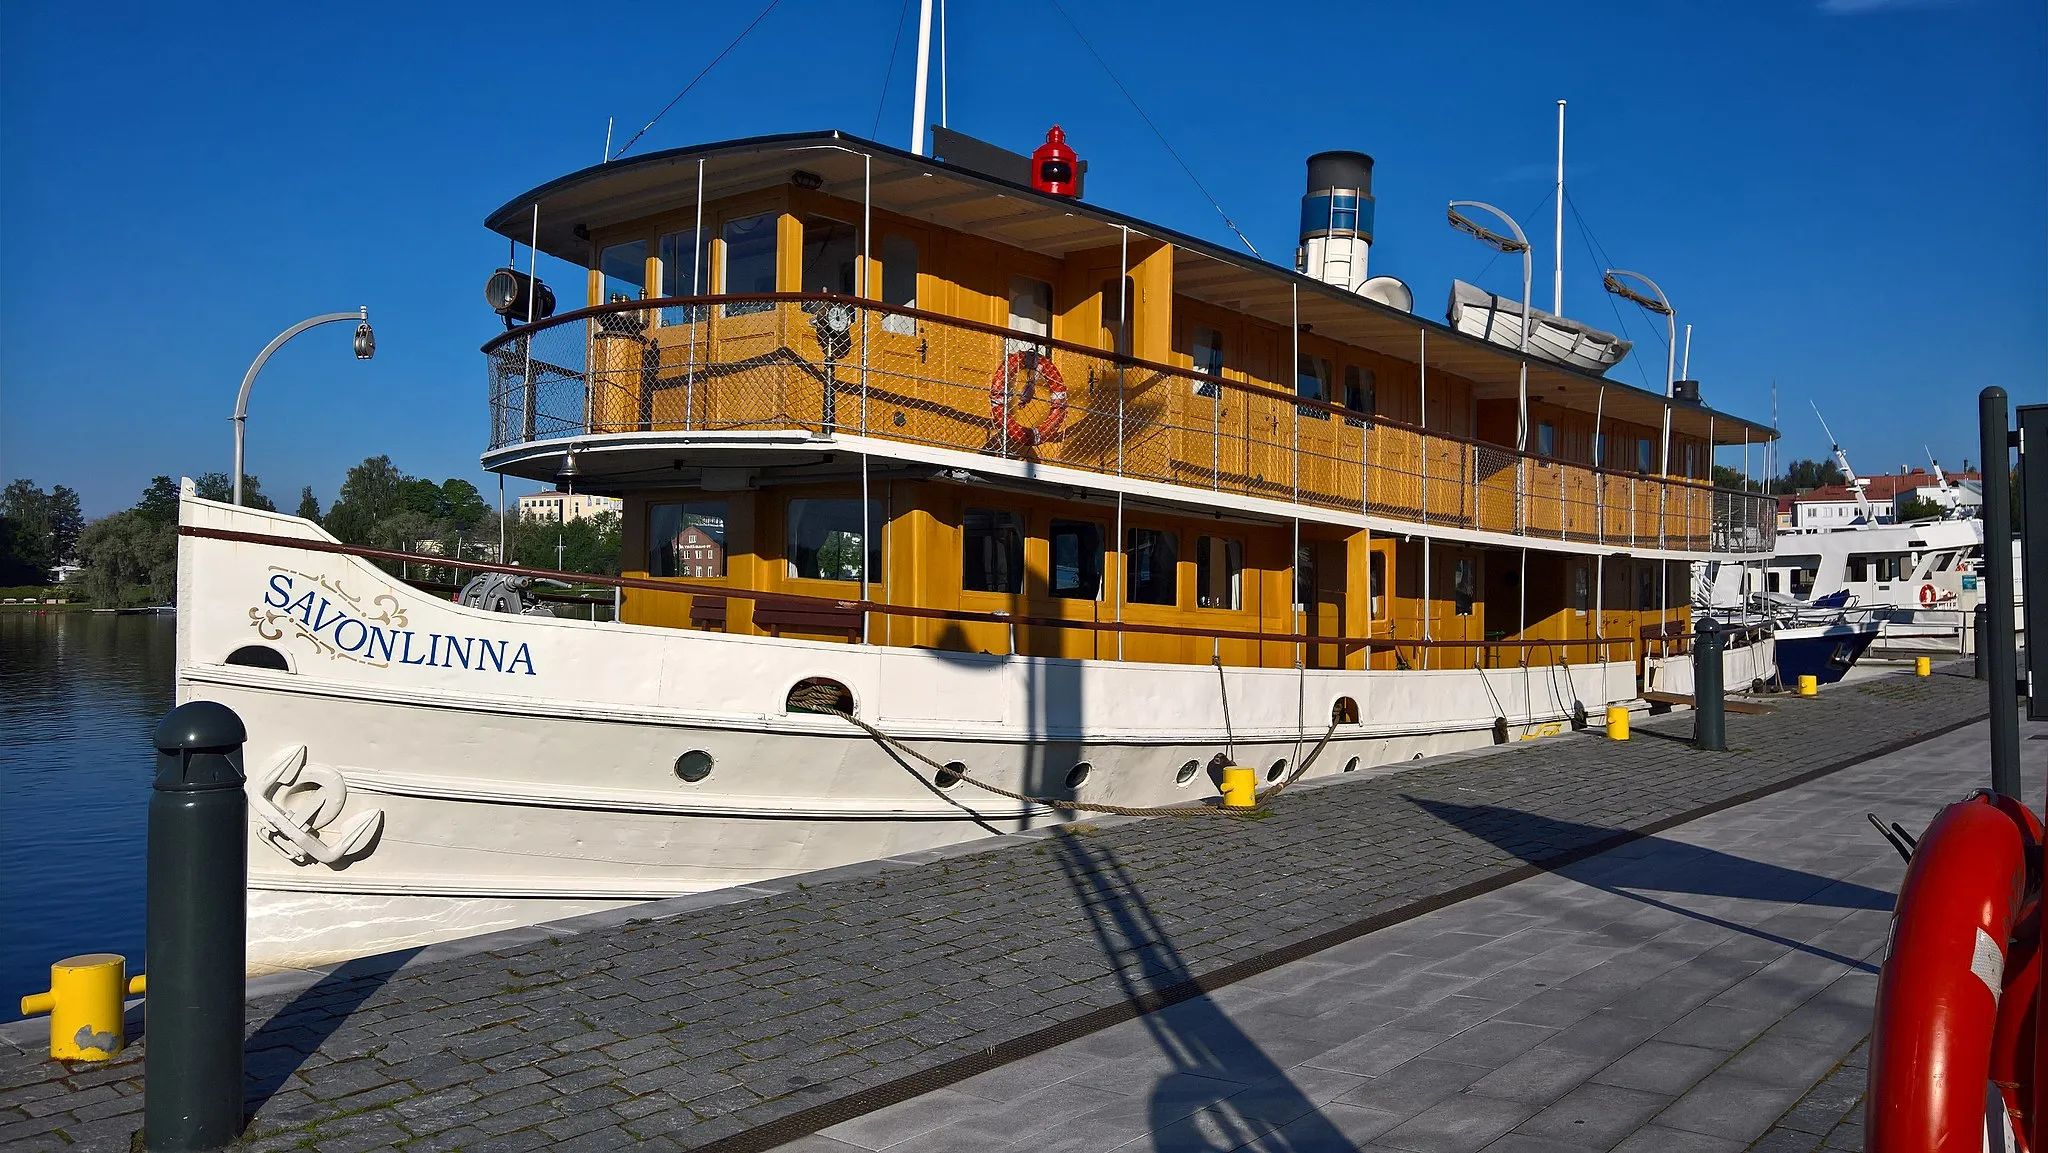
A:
(1617, 723)
(84, 1004)
(1923, 666)
(1809, 685)
(1240, 787)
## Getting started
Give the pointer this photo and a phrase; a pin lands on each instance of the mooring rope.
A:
(825, 699)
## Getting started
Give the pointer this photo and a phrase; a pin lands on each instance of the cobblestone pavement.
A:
(767, 1012)
(1698, 989)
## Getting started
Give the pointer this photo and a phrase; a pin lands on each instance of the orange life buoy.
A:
(1003, 412)
(1929, 595)
(1931, 1088)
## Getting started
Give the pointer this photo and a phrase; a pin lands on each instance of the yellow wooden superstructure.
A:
(1218, 479)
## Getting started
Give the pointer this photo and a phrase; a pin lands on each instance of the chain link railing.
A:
(824, 364)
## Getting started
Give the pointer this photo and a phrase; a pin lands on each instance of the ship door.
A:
(1319, 596)
(1617, 608)
(1317, 434)
(906, 360)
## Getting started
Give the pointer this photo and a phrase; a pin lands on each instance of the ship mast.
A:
(924, 67)
(1557, 274)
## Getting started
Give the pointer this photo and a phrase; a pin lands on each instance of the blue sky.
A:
(1844, 195)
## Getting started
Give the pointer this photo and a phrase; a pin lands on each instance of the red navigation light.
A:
(1054, 166)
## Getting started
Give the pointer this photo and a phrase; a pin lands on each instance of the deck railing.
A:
(823, 364)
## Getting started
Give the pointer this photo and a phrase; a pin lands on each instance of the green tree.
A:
(218, 486)
(1919, 508)
(372, 491)
(309, 505)
(589, 545)
(129, 558)
(44, 528)
(463, 504)
(1805, 475)
(159, 503)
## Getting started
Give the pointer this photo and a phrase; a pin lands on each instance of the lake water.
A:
(80, 694)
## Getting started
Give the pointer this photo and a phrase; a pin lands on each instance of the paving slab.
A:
(764, 1016)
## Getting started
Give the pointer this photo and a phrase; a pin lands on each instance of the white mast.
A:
(924, 67)
(1557, 277)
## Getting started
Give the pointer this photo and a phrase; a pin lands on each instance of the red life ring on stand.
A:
(1939, 1039)
(1003, 414)
(1929, 595)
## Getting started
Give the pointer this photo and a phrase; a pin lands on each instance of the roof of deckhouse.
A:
(949, 196)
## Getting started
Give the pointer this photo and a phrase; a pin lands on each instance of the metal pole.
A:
(197, 931)
(501, 518)
(241, 417)
(2001, 658)
(924, 68)
(1557, 276)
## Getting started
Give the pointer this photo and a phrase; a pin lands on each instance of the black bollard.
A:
(198, 929)
(1982, 623)
(1710, 729)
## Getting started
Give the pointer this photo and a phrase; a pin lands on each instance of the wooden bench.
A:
(807, 618)
(707, 612)
(1731, 704)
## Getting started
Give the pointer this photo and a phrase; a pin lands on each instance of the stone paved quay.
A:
(752, 1017)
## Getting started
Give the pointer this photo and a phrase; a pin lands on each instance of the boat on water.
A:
(1489, 316)
(1071, 504)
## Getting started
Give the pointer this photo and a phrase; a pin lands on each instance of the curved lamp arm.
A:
(1518, 243)
(365, 347)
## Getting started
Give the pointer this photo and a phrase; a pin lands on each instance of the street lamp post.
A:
(1611, 281)
(365, 346)
(1509, 244)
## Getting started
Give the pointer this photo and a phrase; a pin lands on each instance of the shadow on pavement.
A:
(1223, 1092)
(1661, 865)
(280, 1045)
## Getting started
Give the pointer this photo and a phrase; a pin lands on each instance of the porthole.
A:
(259, 657)
(1278, 767)
(694, 766)
(1078, 775)
(1187, 773)
(951, 774)
(1351, 766)
(1344, 712)
(817, 695)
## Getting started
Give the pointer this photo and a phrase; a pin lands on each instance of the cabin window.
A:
(1645, 456)
(1361, 392)
(825, 540)
(1865, 566)
(1205, 352)
(625, 270)
(1076, 547)
(1582, 587)
(1030, 306)
(1646, 587)
(1152, 563)
(686, 539)
(1312, 382)
(749, 261)
(685, 263)
(1376, 585)
(1464, 585)
(1219, 573)
(899, 282)
(829, 255)
(1116, 315)
(1603, 450)
(1546, 439)
(992, 551)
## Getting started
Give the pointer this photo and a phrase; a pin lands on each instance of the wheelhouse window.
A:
(1376, 585)
(1152, 564)
(1361, 392)
(625, 270)
(1219, 573)
(899, 282)
(1205, 351)
(685, 263)
(1030, 310)
(1076, 547)
(1312, 382)
(830, 253)
(749, 261)
(826, 536)
(992, 551)
(1464, 586)
(686, 538)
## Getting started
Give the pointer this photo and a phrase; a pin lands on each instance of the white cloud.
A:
(1866, 7)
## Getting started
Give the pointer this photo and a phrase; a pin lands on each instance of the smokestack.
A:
(1336, 219)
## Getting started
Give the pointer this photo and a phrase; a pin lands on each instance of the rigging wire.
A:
(1497, 254)
(889, 73)
(1113, 78)
(1599, 252)
(693, 80)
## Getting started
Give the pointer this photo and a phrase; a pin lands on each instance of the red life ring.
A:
(1928, 596)
(1938, 1021)
(1002, 413)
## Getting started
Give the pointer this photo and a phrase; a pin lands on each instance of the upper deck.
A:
(775, 297)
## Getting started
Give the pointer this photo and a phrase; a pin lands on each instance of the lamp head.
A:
(1611, 281)
(366, 341)
(1487, 236)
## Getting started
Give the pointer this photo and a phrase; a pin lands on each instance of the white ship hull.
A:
(438, 771)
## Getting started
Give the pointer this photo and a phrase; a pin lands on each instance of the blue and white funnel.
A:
(1336, 219)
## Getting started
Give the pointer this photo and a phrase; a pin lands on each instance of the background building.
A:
(565, 506)
(1835, 505)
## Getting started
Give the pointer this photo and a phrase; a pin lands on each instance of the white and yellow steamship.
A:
(1064, 500)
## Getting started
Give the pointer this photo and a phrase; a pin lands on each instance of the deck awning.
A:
(951, 197)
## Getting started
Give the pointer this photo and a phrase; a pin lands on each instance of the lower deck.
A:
(946, 562)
